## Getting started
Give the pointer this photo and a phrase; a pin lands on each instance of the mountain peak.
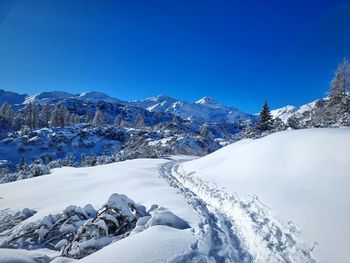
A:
(160, 98)
(207, 101)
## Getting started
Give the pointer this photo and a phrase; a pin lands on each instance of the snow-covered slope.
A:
(164, 235)
(205, 109)
(46, 96)
(284, 113)
(11, 97)
(138, 179)
(94, 96)
(97, 96)
(302, 175)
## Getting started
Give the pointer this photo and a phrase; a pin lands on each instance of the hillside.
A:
(301, 175)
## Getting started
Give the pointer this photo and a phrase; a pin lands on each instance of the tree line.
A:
(339, 91)
(34, 115)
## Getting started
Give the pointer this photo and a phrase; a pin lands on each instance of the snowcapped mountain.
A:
(205, 109)
(284, 113)
(97, 96)
(47, 96)
(94, 96)
(288, 111)
(326, 112)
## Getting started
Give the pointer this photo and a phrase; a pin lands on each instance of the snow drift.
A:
(303, 175)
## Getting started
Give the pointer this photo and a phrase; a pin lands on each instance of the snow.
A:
(97, 96)
(205, 109)
(284, 113)
(157, 244)
(302, 175)
(288, 111)
(165, 217)
(45, 96)
(22, 256)
(227, 205)
(85, 96)
(138, 179)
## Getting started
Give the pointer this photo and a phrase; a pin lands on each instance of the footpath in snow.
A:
(234, 228)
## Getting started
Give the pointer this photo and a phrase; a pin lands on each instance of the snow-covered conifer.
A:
(265, 118)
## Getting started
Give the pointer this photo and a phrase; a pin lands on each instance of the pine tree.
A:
(265, 118)
(341, 82)
(98, 119)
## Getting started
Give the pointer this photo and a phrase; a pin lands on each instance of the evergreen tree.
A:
(265, 122)
(341, 81)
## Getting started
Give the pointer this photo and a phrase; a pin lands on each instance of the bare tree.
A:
(5, 116)
(341, 81)
(31, 115)
(45, 115)
(98, 119)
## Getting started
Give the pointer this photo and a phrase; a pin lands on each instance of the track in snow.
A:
(233, 228)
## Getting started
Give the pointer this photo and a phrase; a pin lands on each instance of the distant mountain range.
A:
(204, 110)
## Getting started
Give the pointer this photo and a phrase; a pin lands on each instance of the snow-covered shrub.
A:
(78, 232)
(50, 229)
(9, 219)
(37, 169)
(114, 220)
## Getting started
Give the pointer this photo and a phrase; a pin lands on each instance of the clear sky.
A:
(238, 52)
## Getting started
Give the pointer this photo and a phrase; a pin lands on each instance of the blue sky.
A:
(238, 52)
